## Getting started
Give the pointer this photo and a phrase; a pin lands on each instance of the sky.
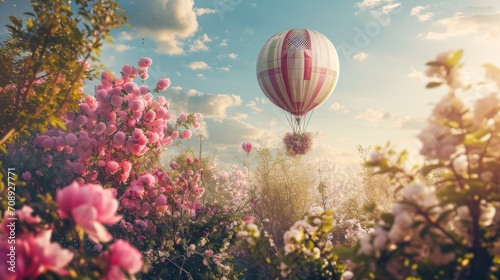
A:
(209, 48)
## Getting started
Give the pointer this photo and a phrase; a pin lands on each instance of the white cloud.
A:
(227, 68)
(414, 73)
(339, 107)
(167, 23)
(386, 9)
(233, 55)
(371, 115)
(253, 106)
(122, 47)
(223, 43)
(125, 36)
(201, 76)
(419, 14)
(239, 116)
(204, 11)
(253, 5)
(210, 105)
(199, 44)
(360, 56)
(380, 6)
(370, 3)
(198, 65)
(378, 117)
(485, 26)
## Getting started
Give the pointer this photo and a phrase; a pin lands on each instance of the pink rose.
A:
(90, 206)
(35, 255)
(144, 62)
(186, 134)
(183, 117)
(111, 167)
(163, 84)
(120, 257)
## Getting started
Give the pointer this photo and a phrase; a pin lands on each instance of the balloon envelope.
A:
(247, 147)
(297, 70)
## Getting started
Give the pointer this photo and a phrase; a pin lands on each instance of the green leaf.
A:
(433, 84)
(434, 63)
(425, 170)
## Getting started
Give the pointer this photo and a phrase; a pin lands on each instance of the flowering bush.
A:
(116, 140)
(449, 229)
(308, 252)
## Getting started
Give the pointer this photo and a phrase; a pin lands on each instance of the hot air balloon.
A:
(297, 70)
(247, 147)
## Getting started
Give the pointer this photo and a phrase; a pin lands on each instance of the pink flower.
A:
(150, 116)
(126, 166)
(130, 87)
(209, 252)
(99, 128)
(49, 143)
(175, 134)
(120, 138)
(121, 257)
(186, 134)
(84, 108)
(27, 176)
(127, 70)
(81, 120)
(35, 255)
(90, 206)
(137, 105)
(116, 100)
(144, 62)
(143, 90)
(71, 139)
(111, 167)
(183, 117)
(23, 215)
(110, 130)
(163, 84)
(161, 200)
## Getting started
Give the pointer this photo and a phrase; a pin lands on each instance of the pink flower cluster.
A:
(297, 143)
(111, 131)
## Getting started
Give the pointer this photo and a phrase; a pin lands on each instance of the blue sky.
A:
(209, 49)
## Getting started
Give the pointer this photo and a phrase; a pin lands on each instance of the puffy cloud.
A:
(232, 55)
(485, 26)
(381, 6)
(414, 73)
(232, 131)
(198, 65)
(239, 116)
(227, 68)
(253, 106)
(360, 56)
(223, 43)
(125, 36)
(339, 107)
(122, 47)
(371, 115)
(200, 76)
(204, 11)
(378, 117)
(200, 43)
(210, 105)
(370, 3)
(419, 14)
(166, 22)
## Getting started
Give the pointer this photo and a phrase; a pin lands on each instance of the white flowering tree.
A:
(451, 229)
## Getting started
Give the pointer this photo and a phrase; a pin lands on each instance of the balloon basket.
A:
(297, 143)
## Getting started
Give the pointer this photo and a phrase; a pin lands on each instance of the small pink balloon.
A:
(247, 147)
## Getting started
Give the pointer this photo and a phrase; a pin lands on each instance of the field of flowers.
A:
(88, 193)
